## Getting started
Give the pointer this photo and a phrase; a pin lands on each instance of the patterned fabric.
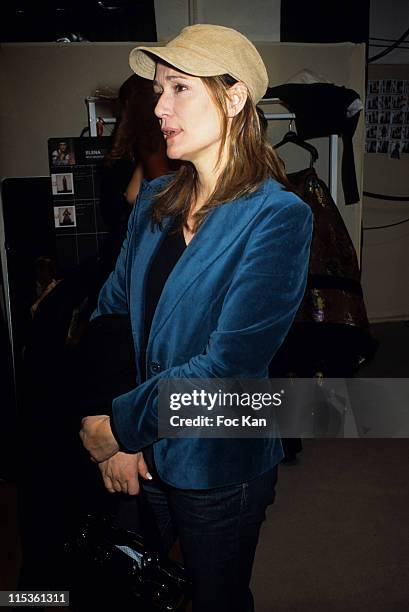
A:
(331, 331)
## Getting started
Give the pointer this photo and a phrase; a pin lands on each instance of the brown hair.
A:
(251, 159)
(138, 131)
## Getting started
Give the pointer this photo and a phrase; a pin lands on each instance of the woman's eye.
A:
(180, 88)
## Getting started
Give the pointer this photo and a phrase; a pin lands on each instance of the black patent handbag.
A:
(112, 567)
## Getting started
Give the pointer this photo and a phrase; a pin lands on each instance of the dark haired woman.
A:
(212, 273)
(138, 152)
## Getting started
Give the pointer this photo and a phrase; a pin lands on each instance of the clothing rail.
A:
(333, 146)
(91, 103)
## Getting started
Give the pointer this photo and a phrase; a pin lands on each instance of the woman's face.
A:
(190, 120)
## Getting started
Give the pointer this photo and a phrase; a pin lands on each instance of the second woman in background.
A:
(138, 152)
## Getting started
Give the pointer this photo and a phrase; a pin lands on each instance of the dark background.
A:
(106, 20)
(325, 21)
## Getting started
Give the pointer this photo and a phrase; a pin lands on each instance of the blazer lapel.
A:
(145, 250)
(221, 228)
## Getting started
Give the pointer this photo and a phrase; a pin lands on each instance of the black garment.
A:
(49, 422)
(114, 181)
(114, 210)
(321, 110)
(47, 442)
(167, 256)
(8, 431)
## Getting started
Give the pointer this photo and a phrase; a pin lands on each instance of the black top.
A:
(167, 256)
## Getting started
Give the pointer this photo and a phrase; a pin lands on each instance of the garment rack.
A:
(333, 145)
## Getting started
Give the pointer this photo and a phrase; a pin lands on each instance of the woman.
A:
(62, 155)
(138, 151)
(212, 272)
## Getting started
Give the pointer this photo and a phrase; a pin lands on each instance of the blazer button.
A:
(155, 366)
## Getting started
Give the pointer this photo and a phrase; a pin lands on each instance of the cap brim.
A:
(143, 61)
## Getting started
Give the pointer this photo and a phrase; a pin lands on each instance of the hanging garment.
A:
(322, 109)
(331, 332)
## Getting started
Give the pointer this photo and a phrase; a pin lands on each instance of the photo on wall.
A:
(387, 117)
(64, 216)
(61, 152)
(62, 184)
(79, 228)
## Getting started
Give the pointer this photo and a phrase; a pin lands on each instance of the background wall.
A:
(388, 20)
(258, 19)
(385, 254)
(44, 86)
(170, 22)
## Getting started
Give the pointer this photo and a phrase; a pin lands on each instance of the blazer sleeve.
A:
(112, 298)
(257, 312)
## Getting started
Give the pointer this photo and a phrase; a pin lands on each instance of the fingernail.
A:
(148, 476)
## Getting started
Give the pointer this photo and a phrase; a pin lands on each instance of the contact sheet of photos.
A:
(75, 168)
(387, 117)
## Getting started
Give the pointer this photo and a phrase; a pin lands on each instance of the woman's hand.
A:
(97, 437)
(120, 472)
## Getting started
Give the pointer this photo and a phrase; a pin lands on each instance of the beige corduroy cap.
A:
(207, 50)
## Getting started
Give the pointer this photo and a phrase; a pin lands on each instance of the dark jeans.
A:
(218, 531)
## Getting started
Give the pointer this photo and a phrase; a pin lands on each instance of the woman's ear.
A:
(237, 96)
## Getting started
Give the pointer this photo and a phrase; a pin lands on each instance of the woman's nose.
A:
(162, 106)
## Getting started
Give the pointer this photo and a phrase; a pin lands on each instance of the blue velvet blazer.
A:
(224, 311)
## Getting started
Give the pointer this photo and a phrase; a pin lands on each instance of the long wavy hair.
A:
(251, 159)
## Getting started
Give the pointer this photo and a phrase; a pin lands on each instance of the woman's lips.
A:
(170, 133)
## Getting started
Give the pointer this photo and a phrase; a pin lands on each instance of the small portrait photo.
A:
(62, 153)
(400, 86)
(64, 216)
(373, 87)
(397, 116)
(395, 132)
(394, 150)
(371, 132)
(383, 132)
(370, 146)
(385, 102)
(372, 117)
(398, 102)
(62, 184)
(382, 146)
(387, 86)
(372, 103)
(384, 117)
